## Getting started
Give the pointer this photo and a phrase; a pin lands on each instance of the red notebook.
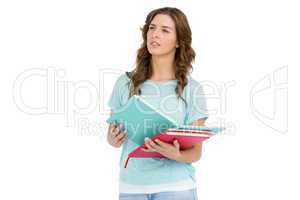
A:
(185, 138)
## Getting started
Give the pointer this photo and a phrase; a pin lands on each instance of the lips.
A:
(154, 44)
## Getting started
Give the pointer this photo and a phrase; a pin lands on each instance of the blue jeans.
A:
(176, 195)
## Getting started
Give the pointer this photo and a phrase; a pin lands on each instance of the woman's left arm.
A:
(193, 154)
(173, 152)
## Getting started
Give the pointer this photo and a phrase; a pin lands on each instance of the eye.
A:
(151, 28)
(165, 31)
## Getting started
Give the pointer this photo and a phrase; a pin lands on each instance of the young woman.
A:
(161, 76)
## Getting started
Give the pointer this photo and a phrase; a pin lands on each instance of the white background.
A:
(52, 143)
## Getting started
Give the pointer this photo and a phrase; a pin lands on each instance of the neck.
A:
(163, 67)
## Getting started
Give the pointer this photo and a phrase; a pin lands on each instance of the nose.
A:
(155, 33)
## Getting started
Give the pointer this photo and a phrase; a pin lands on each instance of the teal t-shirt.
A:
(161, 95)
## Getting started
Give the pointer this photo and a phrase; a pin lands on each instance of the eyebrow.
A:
(168, 27)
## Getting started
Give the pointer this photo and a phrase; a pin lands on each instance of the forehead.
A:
(163, 20)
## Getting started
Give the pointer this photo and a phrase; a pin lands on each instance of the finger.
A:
(112, 127)
(113, 135)
(151, 143)
(147, 144)
(121, 140)
(146, 150)
(161, 143)
(116, 131)
(118, 127)
(120, 136)
(176, 144)
(155, 146)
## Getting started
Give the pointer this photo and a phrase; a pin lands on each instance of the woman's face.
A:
(161, 36)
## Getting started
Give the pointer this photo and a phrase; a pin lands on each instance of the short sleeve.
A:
(196, 108)
(119, 93)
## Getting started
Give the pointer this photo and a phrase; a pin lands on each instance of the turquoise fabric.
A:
(161, 95)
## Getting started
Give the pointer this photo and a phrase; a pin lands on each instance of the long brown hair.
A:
(184, 55)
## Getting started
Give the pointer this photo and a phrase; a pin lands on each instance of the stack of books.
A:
(141, 120)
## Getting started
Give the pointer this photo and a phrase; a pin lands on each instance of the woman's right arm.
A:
(115, 137)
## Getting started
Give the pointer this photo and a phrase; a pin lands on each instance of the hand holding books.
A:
(159, 126)
(169, 150)
(185, 136)
(115, 135)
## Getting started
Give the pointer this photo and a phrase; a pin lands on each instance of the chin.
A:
(157, 52)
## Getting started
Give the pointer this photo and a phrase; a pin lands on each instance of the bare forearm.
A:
(173, 152)
(189, 155)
